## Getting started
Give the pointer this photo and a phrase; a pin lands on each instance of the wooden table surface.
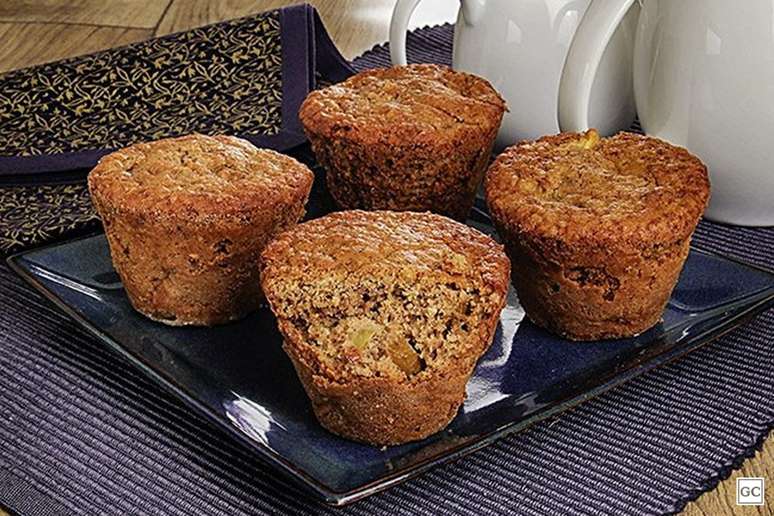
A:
(37, 31)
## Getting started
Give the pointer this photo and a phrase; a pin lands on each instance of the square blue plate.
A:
(239, 377)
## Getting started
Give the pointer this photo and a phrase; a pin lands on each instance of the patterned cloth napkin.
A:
(83, 432)
(245, 77)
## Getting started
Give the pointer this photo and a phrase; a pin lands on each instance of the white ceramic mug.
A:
(703, 79)
(520, 46)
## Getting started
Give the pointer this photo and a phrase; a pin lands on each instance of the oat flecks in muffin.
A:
(597, 228)
(384, 315)
(186, 219)
(415, 137)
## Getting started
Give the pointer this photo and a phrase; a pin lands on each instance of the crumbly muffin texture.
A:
(597, 228)
(186, 219)
(384, 315)
(414, 137)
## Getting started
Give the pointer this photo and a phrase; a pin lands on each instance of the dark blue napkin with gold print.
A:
(245, 77)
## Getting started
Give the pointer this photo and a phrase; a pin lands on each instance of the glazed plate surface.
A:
(238, 376)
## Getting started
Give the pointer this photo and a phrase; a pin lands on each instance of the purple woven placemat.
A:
(81, 431)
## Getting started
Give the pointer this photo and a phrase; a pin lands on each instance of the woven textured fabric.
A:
(83, 432)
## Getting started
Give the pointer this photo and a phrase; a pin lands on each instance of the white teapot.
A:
(520, 46)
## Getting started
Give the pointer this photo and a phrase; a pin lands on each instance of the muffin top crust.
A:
(197, 177)
(360, 242)
(579, 187)
(418, 101)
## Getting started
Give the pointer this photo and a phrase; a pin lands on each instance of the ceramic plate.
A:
(239, 377)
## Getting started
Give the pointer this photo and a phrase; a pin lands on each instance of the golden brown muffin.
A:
(597, 229)
(187, 218)
(415, 137)
(384, 316)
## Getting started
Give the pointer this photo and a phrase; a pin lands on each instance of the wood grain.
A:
(355, 25)
(722, 499)
(120, 13)
(27, 44)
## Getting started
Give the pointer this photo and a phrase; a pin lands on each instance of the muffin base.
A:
(583, 300)
(440, 178)
(208, 321)
(181, 273)
(380, 412)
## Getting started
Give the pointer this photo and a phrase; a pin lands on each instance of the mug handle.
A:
(398, 27)
(598, 25)
(472, 10)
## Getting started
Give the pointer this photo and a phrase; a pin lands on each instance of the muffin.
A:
(384, 316)
(597, 229)
(415, 137)
(187, 218)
